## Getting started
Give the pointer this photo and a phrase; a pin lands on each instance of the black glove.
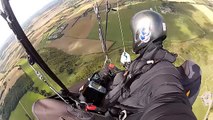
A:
(98, 85)
(107, 75)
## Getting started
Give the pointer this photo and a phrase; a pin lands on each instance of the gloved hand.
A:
(98, 85)
(125, 59)
(107, 74)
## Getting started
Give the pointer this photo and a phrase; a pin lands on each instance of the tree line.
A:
(22, 85)
(41, 92)
(58, 60)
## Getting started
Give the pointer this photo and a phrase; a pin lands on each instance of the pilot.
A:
(152, 88)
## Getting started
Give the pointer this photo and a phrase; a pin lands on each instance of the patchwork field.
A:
(82, 27)
(190, 35)
(74, 39)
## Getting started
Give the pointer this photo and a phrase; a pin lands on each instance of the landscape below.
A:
(190, 35)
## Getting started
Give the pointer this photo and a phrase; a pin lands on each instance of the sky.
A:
(23, 9)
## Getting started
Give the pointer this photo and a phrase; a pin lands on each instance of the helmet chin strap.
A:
(146, 52)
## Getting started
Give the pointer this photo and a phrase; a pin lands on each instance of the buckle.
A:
(123, 115)
(90, 108)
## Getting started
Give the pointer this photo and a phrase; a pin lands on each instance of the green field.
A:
(180, 26)
(27, 101)
(188, 29)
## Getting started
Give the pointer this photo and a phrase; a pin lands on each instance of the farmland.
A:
(79, 53)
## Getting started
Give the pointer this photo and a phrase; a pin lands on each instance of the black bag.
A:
(191, 74)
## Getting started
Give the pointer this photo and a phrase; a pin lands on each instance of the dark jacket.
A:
(156, 93)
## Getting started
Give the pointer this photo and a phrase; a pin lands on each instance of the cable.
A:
(22, 106)
(25, 109)
(107, 14)
(40, 76)
(100, 33)
(120, 25)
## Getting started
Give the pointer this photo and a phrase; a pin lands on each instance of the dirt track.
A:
(78, 46)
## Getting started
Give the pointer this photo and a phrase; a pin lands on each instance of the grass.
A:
(44, 40)
(198, 108)
(179, 27)
(27, 100)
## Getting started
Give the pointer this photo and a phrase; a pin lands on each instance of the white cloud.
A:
(23, 9)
